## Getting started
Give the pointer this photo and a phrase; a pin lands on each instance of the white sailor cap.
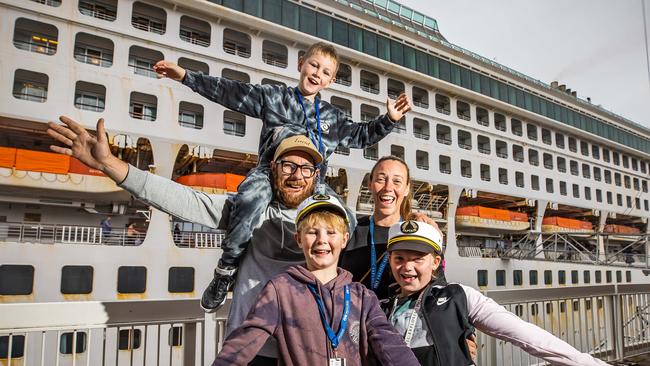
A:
(415, 235)
(321, 202)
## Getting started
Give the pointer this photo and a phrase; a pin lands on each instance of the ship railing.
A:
(610, 322)
(151, 332)
(67, 234)
(199, 239)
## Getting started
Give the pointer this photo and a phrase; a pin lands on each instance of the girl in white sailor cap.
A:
(436, 317)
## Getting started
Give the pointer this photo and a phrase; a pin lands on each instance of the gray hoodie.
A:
(286, 310)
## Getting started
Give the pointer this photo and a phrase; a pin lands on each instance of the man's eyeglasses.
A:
(288, 167)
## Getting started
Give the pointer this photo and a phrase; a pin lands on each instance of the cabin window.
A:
(148, 18)
(608, 276)
(485, 172)
(129, 339)
(518, 153)
(561, 277)
(464, 140)
(588, 193)
(100, 9)
(422, 159)
(606, 155)
(466, 168)
(619, 276)
(482, 116)
(76, 279)
(576, 191)
(275, 54)
(190, 115)
(534, 309)
(517, 277)
(628, 276)
(483, 144)
(195, 31)
(584, 148)
(371, 152)
(236, 43)
(599, 277)
(519, 179)
(175, 336)
(533, 157)
(501, 149)
(443, 104)
(546, 136)
(534, 182)
(587, 277)
(234, 123)
(31, 86)
(344, 75)
(17, 346)
(396, 150)
(143, 106)
(89, 96)
(573, 145)
(420, 97)
(531, 132)
(93, 50)
(599, 195)
(421, 128)
(559, 140)
(131, 280)
(563, 188)
(444, 164)
(516, 127)
(573, 166)
(548, 277)
(574, 277)
(549, 307)
(394, 88)
(503, 176)
(595, 151)
(443, 134)
(68, 342)
(500, 122)
(501, 277)
(16, 279)
(142, 60)
(33, 36)
(193, 65)
(482, 277)
(181, 279)
(548, 160)
(532, 277)
(369, 82)
(549, 185)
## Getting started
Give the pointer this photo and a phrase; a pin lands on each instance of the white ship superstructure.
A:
(538, 191)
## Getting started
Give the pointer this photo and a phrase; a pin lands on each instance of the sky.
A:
(595, 47)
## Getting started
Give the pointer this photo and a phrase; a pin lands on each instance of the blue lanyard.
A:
(375, 273)
(318, 143)
(334, 339)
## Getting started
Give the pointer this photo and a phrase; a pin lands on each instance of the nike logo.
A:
(442, 300)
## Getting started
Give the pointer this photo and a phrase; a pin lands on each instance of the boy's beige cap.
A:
(300, 143)
(321, 202)
(415, 235)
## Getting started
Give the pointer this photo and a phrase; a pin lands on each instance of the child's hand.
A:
(169, 69)
(399, 108)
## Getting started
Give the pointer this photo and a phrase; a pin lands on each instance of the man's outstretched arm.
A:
(162, 193)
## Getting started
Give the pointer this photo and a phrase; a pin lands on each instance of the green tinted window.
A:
(495, 89)
(308, 21)
(340, 32)
(465, 78)
(421, 64)
(324, 26)
(290, 15)
(434, 67)
(383, 48)
(272, 11)
(409, 57)
(485, 85)
(253, 7)
(397, 52)
(355, 40)
(234, 4)
(504, 92)
(369, 43)
(476, 81)
(445, 70)
(455, 73)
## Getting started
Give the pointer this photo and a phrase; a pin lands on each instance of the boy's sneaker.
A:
(214, 295)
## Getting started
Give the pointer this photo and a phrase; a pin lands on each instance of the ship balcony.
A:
(93, 50)
(148, 18)
(274, 54)
(342, 150)
(199, 239)
(195, 31)
(371, 153)
(53, 3)
(344, 75)
(36, 233)
(30, 86)
(104, 9)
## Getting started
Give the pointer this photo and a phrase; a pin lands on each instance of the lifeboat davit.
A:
(214, 183)
(491, 218)
(627, 233)
(555, 224)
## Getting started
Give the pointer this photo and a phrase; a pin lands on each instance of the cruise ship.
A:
(543, 196)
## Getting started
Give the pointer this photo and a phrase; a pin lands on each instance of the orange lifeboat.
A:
(556, 224)
(215, 183)
(42, 161)
(491, 218)
(620, 229)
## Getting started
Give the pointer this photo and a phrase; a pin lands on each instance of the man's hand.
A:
(169, 69)
(90, 150)
(472, 346)
(397, 109)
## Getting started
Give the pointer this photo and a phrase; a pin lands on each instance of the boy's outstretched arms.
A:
(398, 108)
(169, 69)
(93, 151)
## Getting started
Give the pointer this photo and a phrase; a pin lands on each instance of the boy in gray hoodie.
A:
(317, 315)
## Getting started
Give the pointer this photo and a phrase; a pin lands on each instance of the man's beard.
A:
(292, 200)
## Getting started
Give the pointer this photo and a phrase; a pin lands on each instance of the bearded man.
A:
(272, 247)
